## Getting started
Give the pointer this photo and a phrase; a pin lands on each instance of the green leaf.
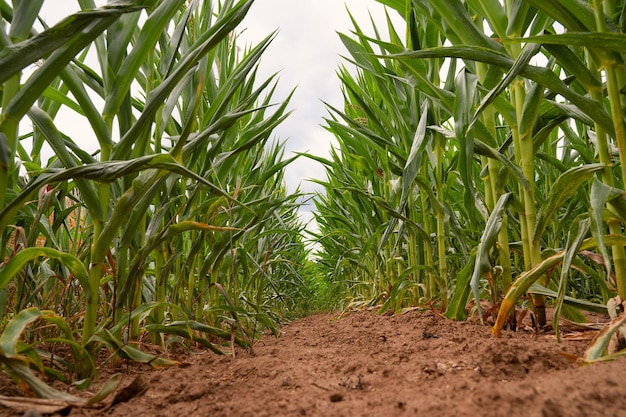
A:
(107, 389)
(206, 42)
(597, 351)
(17, 365)
(456, 306)
(395, 296)
(520, 64)
(563, 188)
(413, 162)
(540, 75)
(108, 172)
(129, 352)
(574, 15)
(580, 229)
(605, 40)
(599, 195)
(537, 288)
(14, 329)
(19, 56)
(526, 279)
(65, 47)
(495, 14)
(17, 262)
(24, 16)
(465, 84)
(20, 371)
(46, 127)
(482, 148)
(458, 22)
(152, 29)
(487, 242)
(574, 65)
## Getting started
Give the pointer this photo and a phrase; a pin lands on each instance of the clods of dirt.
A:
(364, 364)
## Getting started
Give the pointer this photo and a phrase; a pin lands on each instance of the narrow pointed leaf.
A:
(19, 56)
(540, 75)
(130, 352)
(487, 242)
(218, 32)
(605, 40)
(458, 303)
(526, 279)
(580, 229)
(517, 68)
(563, 188)
(152, 28)
(537, 288)
(600, 194)
(465, 84)
(17, 262)
(598, 348)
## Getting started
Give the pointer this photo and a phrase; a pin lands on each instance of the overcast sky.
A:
(306, 53)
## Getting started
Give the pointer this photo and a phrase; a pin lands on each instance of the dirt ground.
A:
(364, 364)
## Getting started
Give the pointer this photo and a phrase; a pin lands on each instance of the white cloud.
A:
(307, 52)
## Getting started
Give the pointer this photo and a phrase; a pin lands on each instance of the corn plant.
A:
(493, 123)
(180, 226)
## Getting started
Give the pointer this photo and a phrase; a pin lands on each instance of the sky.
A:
(307, 53)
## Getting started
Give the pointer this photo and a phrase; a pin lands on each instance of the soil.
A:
(363, 364)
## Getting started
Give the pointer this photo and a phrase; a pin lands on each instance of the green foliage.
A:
(479, 104)
(182, 228)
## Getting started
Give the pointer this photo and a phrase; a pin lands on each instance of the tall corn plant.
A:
(387, 161)
(509, 116)
(180, 224)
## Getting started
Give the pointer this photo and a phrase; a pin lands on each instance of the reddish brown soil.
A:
(363, 364)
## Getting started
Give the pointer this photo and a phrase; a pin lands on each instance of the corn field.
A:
(480, 163)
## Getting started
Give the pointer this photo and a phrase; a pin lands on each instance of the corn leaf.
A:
(579, 304)
(105, 337)
(540, 75)
(465, 84)
(17, 262)
(526, 279)
(574, 239)
(597, 350)
(152, 28)
(456, 306)
(487, 242)
(563, 188)
(17, 57)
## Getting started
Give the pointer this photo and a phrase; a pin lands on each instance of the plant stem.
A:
(441, 228)
(612, 72)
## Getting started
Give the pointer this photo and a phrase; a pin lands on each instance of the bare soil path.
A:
(363, 364)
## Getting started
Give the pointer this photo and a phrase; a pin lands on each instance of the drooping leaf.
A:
(19, 56)
(540, 75)
(17, 262)
(516, 69)
(126, 351)
(456, 306)
(564, 187)
(526, 279)
(576, 303)
(602, 40)
(597, 350)
(599, 195)
(575, 237)
(487, 242)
